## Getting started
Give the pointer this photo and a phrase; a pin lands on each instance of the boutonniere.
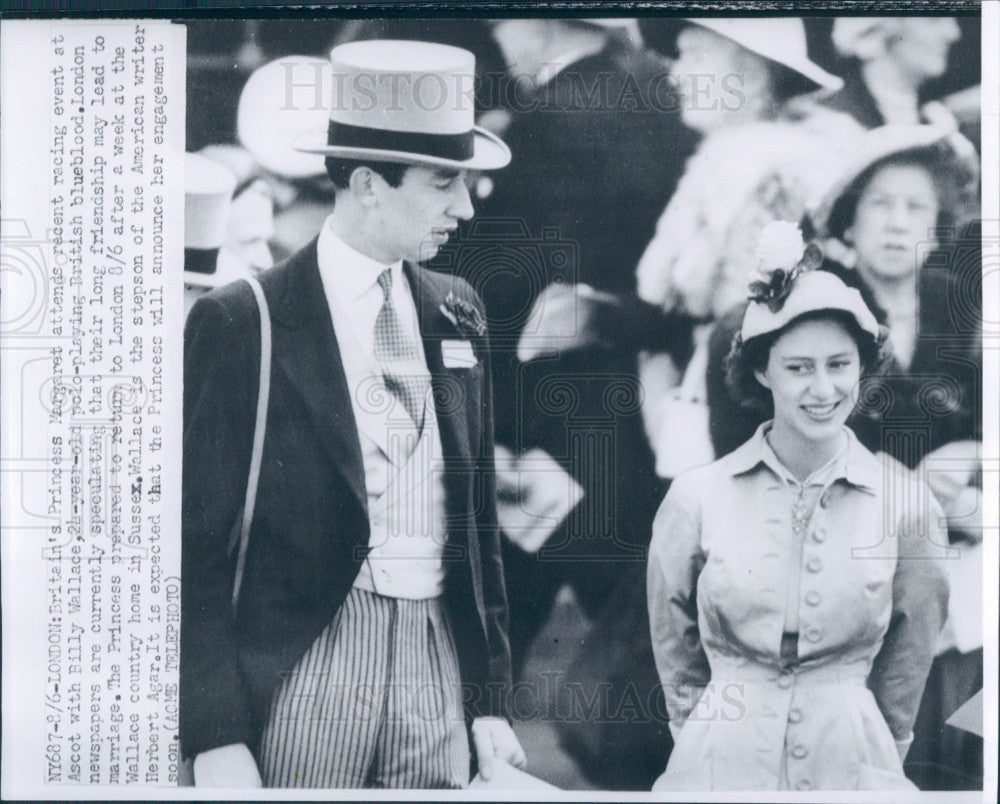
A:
(782, 257)
(466, 317)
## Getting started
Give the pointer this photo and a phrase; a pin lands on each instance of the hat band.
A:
(456, 147)
(201, 260)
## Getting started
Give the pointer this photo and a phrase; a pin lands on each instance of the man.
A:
(370, 622)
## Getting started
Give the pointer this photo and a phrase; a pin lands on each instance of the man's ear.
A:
(761, 378)
(363, 184)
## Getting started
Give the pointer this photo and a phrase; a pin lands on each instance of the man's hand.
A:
(493, 738)
(227, 766)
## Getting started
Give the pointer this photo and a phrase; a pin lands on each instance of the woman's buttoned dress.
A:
(793, 624)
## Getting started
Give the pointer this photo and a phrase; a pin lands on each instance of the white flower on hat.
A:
(780, 246)
(782, 255)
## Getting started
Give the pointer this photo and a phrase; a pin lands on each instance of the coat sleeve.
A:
(675, 562)
(919, 610)
(221, 353)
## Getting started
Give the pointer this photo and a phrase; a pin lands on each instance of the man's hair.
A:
(340, 170)
(746, 357)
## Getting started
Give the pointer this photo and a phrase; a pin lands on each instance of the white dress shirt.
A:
(403, 484)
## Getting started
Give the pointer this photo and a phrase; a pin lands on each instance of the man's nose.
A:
(461, 205)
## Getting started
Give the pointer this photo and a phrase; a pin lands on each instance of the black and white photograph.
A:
(502, 403)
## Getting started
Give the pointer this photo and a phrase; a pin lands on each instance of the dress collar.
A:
(853, 463)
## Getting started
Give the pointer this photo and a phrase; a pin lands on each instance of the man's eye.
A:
(796, 368)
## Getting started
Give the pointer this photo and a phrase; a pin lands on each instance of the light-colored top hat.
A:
(208, 197)
(885, 141)
(409, 102)
(779, 39)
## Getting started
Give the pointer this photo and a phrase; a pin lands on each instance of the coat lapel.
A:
(452, 415)
(306, 349)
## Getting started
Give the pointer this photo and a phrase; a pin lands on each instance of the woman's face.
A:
(720, 83)
(892, 232)
(920, 49)
(813, 372)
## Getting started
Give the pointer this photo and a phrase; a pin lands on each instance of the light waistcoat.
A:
(403, 469)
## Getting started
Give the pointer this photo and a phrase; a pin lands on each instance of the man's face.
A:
(922, 45)
(417, 217)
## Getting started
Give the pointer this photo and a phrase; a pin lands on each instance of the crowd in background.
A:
(612, 258)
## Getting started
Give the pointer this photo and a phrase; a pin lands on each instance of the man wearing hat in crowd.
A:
(208, 201)
(358, 637)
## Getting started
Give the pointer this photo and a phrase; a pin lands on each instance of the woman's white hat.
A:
(779, 39)
(811, 291)
(409, 102)
(885, 141)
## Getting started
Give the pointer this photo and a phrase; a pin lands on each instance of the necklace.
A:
(801, 512)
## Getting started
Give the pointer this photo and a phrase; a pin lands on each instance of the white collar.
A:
(353, 273)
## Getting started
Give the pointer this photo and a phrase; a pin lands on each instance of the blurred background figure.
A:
(208, 201)
(747, 87)
(899, 224)
(595, 158)
(889, 60)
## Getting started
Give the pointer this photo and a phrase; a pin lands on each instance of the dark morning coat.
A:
(310, 528)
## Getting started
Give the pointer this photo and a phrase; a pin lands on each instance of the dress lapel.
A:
(306, 349)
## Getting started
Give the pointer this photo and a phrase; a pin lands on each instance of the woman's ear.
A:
(761, 378)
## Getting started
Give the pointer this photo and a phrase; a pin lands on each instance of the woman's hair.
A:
(745, 358)
(950, 178)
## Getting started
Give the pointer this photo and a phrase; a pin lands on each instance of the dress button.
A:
(800, 752)
(785, 680)
(814, 564)
(814, 633)
(794, 715)
(813, 598)
(819, 535)
(803, 784)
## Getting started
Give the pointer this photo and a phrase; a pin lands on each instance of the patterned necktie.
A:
(396, 352)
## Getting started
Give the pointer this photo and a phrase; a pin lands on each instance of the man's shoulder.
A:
(445, 284)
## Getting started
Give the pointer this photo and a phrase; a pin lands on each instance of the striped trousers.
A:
(375, 702)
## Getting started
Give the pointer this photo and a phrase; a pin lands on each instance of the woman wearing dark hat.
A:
(744, 85)
(787, 661)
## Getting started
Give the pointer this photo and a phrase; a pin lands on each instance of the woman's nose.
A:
(821, 386)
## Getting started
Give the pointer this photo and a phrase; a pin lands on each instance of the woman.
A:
(889, 60)
(792, 635)
(895, 224)
(905, 183)
(745, 87)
